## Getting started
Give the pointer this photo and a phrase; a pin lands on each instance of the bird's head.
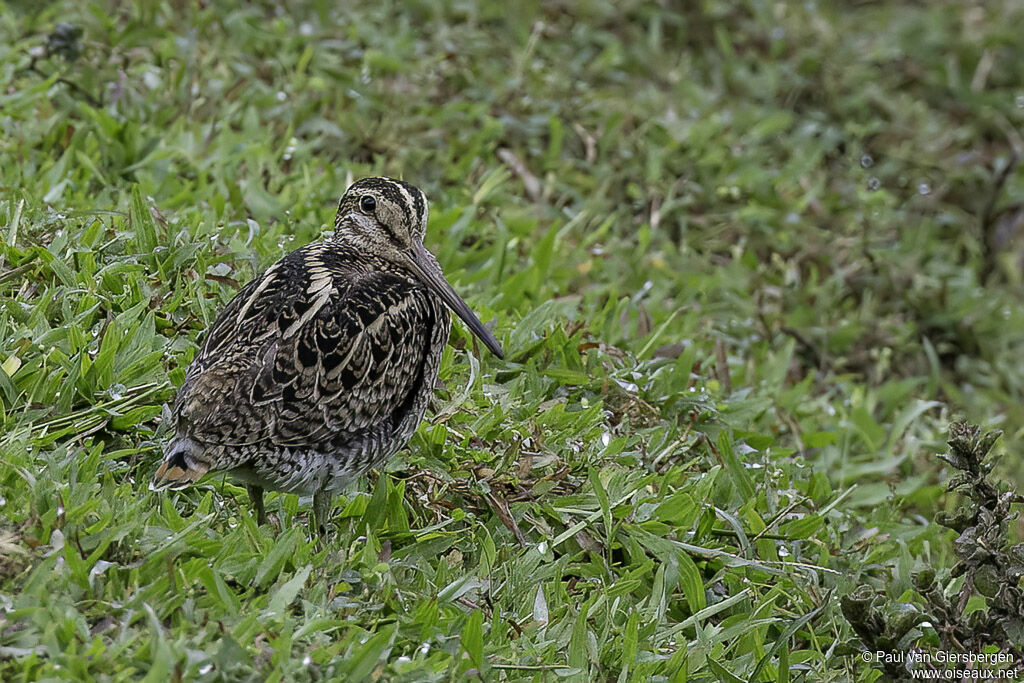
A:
(388, 218)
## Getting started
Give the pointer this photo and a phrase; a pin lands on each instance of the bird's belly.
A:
(304, 472)
(307, 471)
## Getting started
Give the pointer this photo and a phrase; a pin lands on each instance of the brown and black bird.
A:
(321, 368)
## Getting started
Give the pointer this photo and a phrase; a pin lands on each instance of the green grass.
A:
(758, 258)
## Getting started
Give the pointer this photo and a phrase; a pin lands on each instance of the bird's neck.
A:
(360, 258)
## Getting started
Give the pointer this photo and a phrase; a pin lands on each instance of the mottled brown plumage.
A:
(321, 367)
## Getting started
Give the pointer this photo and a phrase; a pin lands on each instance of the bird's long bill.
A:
(429, 273)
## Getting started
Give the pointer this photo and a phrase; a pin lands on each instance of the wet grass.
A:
(746, 262)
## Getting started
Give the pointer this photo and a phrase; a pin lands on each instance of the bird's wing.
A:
(303, 356)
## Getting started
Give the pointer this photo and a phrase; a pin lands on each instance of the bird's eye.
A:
(367, 204)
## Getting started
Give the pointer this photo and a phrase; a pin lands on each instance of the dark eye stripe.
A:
(391, 234)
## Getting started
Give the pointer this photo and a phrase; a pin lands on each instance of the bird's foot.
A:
(320, 518)
(256, 495)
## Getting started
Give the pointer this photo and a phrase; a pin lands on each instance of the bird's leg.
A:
(321, 510)
(256, 496)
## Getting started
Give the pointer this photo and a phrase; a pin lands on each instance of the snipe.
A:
(321, 368)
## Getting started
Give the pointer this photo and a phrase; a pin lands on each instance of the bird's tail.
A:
(181, 466)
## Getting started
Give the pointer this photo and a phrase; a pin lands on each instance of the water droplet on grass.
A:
(866, 161)
(924, 188)
(1020, 101)
(874, 183)
(116, 391)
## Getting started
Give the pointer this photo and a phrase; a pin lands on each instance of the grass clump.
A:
(982, 612)
(990, 565)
